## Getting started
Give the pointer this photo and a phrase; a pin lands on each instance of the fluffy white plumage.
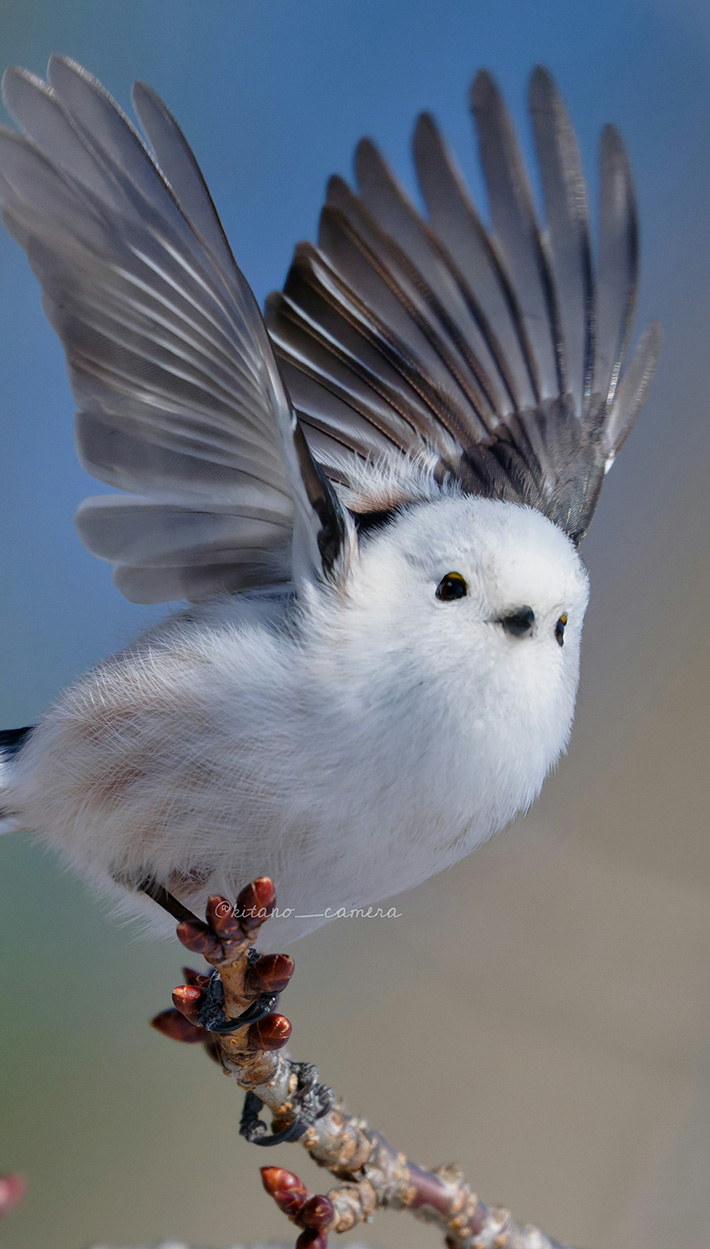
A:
(342, 723)
(349, 743)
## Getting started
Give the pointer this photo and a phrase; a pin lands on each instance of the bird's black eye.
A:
(519, 624)
(560, 629)
(451, 586)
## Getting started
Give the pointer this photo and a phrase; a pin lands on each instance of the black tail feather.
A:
(12, 740)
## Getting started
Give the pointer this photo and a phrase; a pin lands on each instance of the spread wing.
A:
(180, 399)
(496, 357)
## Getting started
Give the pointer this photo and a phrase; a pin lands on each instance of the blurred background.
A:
(542, 1013)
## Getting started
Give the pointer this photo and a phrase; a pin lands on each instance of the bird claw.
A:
(310, 1099)
(211, 1010)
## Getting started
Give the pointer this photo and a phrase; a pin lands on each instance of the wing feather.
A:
(178, 164)
(631, 393)
(618, 262)
(517, 233)
(567, 232)
(494, 358)
(329, 329)
(496, 352)
(180, 397)
(465, 347)
(150, 534)
(487, 288)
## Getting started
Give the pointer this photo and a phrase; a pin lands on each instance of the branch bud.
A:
(188, 999)
(255, 903)
(318, 1212)
(197, 937)
(310, 1239)
(174, 1025)
(221, 918)
(270, 973)
(287, 1190)
(270, 1033)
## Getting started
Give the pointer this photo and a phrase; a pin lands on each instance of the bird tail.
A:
(11, 741)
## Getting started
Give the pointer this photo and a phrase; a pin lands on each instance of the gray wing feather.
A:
(567, 232)
(498, 352)
(517, 234)
(178, 164)
(150, 534)
(459, 334)
(178, 390)
(248, 569)
(631, 393)
(487, 289)
(618, 262)
(369, 267)
(134, 463)
(323, 327)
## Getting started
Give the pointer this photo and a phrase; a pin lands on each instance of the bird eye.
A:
(519, 624)
(451, 587)
(560, 629)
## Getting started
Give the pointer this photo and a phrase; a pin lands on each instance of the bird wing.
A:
(180, 400)
(497, 356)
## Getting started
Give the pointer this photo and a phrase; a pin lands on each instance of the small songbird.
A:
(371, 501)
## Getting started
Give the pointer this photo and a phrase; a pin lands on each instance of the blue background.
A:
(126, 1138)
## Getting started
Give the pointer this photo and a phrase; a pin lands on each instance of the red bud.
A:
(287, 1190)
(198, 938)
(173, 1024)
(255, 903)
(310, 1239)
(222, 919)
(270, 973)
(270, 1033)
(317, 1212)
(188, 1000)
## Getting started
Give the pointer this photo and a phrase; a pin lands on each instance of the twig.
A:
(371, 1174)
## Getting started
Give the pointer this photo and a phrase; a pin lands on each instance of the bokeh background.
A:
(542, 1013)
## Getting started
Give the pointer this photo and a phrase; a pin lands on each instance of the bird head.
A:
(473, 608)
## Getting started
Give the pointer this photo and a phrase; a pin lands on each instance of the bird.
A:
(365, 506)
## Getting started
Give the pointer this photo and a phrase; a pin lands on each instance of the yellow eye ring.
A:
(451, 587)
(560, 629)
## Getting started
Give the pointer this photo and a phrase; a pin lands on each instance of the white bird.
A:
(372, 502)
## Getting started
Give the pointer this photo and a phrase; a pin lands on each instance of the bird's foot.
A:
(309, 1099)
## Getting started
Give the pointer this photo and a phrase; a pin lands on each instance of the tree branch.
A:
(371, 1174)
